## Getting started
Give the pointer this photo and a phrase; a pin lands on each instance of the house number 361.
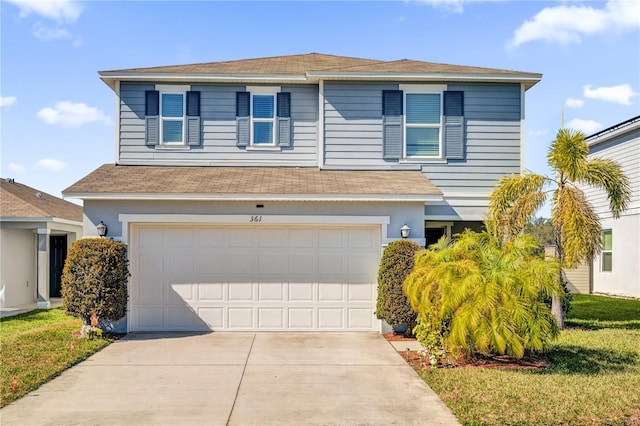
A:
(255, 219)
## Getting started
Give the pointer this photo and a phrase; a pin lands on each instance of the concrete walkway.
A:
(236, 379)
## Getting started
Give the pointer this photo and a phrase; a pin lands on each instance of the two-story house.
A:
(257, 194)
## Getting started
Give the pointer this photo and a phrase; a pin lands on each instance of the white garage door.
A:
(203, 277)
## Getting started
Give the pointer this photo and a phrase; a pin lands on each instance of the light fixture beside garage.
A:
(404, 231)
(102, 229)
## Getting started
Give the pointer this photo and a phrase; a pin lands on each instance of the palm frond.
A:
(608, 175)
(579, 226)
(568, 153)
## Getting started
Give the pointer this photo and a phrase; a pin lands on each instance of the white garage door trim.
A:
(352, 310)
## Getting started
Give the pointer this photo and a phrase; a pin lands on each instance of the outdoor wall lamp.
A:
(404, 231)
(102, 229)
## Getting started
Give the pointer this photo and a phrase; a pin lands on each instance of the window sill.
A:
(263, 148)
(173, 148)
(422, 161)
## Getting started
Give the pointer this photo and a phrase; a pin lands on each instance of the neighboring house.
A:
(258, 194)
(35, 231)
(617, 269)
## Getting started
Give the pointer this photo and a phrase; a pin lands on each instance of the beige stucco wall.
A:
(17, 268)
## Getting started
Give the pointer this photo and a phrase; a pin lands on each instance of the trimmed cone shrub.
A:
(94, 279)
(396, 264)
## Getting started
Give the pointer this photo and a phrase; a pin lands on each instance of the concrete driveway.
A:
(236, 379)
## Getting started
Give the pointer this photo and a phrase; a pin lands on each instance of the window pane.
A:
(262, 132)
(171, 105)
(607, 239)
(263, 106)
(172, 131)
(607, 262)
(423, 108)
(423, 142)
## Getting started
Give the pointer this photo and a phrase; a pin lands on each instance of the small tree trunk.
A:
(556, 309)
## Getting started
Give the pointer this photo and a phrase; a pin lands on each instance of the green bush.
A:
(94, 279)
(477, 295)
(396, 264)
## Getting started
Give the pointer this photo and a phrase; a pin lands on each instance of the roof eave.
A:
(417, 198)
(529, 79)
(42, 219)
(613, 132)
(110, 78)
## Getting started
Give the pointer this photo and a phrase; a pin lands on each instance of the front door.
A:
(432, 235)
(58, 254)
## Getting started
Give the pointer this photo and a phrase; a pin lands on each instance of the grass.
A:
(593, 378)
(36, 347)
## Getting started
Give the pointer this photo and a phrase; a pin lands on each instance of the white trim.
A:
(522, 132)
(423, 88)
(263, 89)
(183, 143)
(423, 160)
(117, 124)
(173, 87)
(600, 138)
(41, 219)
(128, 219)
(255, 197)
(437, 225)
(263, 147)
(465, 195)
(320, 124)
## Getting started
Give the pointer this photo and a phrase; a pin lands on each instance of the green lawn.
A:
(35, 347)
(594, 377)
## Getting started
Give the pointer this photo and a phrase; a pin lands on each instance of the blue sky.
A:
(57, 116)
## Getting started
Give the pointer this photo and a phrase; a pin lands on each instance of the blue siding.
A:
(218, 122)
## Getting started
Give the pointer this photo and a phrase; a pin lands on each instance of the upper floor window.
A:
(172, 115)
(263, 118)
(423, 122)
(607, 250)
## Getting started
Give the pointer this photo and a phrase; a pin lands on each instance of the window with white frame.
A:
(422, 126)
(607, 250)
(172, 113)
(263, 121)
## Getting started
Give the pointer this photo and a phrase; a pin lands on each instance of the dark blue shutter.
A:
(454, 135)
(152, 117)
(242, 118)
(284, 119)
(193, 118)
(392, 111)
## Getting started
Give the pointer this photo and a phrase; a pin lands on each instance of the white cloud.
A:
(575, 103)
(71, 114)
(7, 100)
(587, 126)
(450, 5)
(16, 168)
(49, 34)
(620, 94)
(50, 164)
(58, 10)
(568, 24)
(537, 132)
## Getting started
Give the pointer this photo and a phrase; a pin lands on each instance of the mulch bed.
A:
(413, 358)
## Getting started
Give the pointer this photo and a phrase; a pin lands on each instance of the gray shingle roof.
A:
(112, 179)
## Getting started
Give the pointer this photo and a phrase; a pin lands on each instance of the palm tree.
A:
(578, 234)
(478, 294)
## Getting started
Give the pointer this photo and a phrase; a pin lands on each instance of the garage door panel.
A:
(301, 318)
(241, 292)
(301, 292)
(271, 318)
(271, 292)
(210, 291)
(330, 318)
(246, 277)
(328, 292)
(241, 318)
